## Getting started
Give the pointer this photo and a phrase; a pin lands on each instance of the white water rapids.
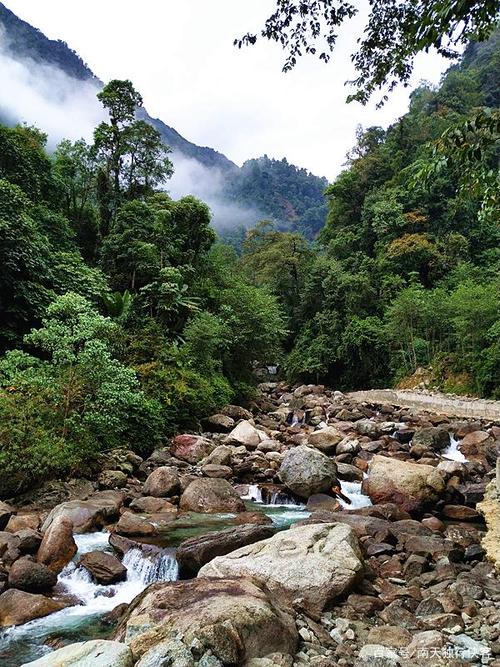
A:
(452, 452)
(94, 599)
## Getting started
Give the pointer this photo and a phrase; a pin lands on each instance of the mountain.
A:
(261, 188)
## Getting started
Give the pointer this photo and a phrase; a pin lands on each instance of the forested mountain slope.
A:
(274, 189)
(406, 272)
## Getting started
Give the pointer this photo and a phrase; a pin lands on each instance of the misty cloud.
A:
(45, 96)
(191, 177)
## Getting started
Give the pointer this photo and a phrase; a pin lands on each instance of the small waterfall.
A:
(94, 600)
(453, 453)
(280, 499)
(162, 568)
(353, 491)
(254, 493)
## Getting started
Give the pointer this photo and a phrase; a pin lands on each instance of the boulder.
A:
(479, 445)
(112, 479)
(58, 545)
(9, 547)
(162, 482)
(195, 552)
(190, 448)
(221, 456)
(348, 472)
(214, 470)
(97, 652)
(104, 567)
(229, 620)
(411, 485)
(326, 439)
(151, 505)
(246, 434)
(320, 501)
(311, 565)
(132, 524)
(31, 577)
(218, 423)
(24, 520)
(306, 471)
(88, 515)
(368, 427)
(236, 412)
(29, 540)
(211, 495)
(461, 513)
(431, 438)
(18, 607)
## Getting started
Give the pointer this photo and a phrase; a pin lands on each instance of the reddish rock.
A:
(151, 505)
(104, 567)
(132, 524)
(461, 513)
(191, 448)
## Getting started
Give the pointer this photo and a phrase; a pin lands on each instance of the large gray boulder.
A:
(95, 653)
(211, 495)
(311, 564)
(232, 620)
(88, 515)
(306, 471)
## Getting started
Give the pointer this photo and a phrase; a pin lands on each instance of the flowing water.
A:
(353, 491)
(81, 621)
(452, 452)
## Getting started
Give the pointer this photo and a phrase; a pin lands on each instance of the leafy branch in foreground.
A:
(395, 32)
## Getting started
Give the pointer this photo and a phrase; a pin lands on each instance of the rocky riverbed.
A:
(309, 529)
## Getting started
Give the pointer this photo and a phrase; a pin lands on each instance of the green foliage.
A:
(394, 34)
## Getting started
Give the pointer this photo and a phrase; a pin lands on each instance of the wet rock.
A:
(31, 577)
(233, 619)
(88, 515)
(479, 445)
(104, 567)
(58, 545)
(325, 439)
(95, 653)
(306, 471)
(411, 485)
(348, 472)
(195, 552)
(162, 482)
(18, 607)
(211, 495)
(132, 524)
(314, 563)
(191, 448)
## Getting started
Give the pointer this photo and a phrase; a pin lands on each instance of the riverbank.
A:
(310, 529)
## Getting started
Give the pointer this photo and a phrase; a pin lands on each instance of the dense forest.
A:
(124, 318)
(405, 273)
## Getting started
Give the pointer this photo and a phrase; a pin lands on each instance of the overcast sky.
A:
(180, 56)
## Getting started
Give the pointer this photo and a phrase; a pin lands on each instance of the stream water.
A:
(83, 620)
(452, 452)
